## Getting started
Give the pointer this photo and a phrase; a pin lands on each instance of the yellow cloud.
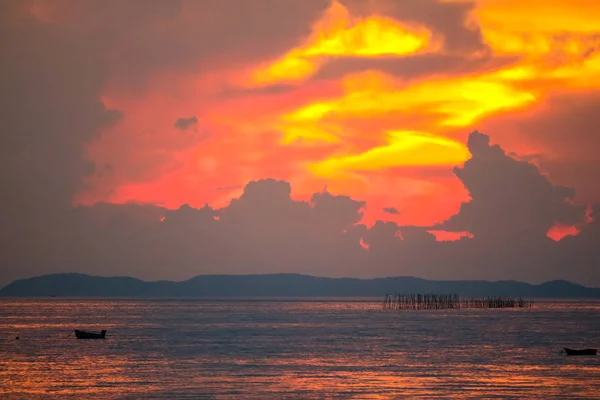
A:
(404, 148)
(340, 34)
(451, 102)
(555, 45)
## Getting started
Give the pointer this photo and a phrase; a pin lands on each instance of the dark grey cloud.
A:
(265, 230)
(391, 210)
(184, 123)
(414, 66)
(510, 199)
(143, 37)
(565, 128)
(58, 57)
(512, 207)
(581, 254)
(50, 89)
(269, 90)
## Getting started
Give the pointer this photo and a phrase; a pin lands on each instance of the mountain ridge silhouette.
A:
(281, 285)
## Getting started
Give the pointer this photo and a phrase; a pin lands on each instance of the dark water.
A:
(277, 349)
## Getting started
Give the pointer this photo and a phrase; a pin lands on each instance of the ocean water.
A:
(294, 348)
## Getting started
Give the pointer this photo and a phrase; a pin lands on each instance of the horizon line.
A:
(303, 275)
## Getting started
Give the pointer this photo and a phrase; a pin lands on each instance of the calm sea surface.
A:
(278, 349)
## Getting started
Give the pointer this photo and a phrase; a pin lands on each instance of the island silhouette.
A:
(282, 285)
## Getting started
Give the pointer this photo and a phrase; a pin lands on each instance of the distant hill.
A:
(281, 285)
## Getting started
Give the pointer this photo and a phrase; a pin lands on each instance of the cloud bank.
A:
(264, 230)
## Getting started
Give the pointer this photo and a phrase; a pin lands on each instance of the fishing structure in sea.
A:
(417, 301)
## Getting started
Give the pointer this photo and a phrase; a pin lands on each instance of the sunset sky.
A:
(373, 99)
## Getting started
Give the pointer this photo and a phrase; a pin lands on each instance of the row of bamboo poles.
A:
(448, 301)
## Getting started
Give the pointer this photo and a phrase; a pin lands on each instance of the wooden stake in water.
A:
(420, 301)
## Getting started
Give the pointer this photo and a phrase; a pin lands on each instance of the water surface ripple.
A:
(294, 348)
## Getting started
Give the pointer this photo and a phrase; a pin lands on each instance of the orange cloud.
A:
(370, 133)
(538, 16)
(556, 41)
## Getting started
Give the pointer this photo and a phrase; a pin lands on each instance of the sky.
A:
(447, 139)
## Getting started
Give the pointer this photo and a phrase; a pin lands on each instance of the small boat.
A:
(583, 352)
(90, 335)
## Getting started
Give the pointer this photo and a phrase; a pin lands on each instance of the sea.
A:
(291, 348)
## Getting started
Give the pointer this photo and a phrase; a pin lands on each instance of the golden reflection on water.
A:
(303, 349)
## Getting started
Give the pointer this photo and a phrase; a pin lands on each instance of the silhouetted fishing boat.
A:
(583, 352)
(89, 335)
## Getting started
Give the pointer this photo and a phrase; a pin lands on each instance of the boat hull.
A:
(89, 335)
(583, 352)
